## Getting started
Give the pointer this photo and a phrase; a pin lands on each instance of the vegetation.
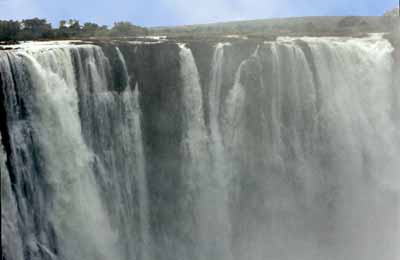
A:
(40, 29)
(395, 12)
(126, 29)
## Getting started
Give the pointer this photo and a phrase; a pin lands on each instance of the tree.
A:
(74, 25)
(395, 12)
(69, 28)
(63, 24)
(90, 27)
(127, 29)
(36, 28)
(9, 30)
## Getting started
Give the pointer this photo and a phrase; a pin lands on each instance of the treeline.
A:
(40, 29)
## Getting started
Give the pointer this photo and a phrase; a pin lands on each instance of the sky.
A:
(181, 12)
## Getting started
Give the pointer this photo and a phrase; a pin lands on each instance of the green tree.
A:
(9, 30)
(62, 31)
(90, 29)
(63, 24)
(127, 29)
(35, 29)
(74, 25)
(69, 28)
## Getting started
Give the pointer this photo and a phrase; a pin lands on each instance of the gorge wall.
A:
(202, 150)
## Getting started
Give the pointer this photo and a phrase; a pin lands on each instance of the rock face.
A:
(240, 149)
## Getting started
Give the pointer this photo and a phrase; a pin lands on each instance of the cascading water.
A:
(111, 126)
(80, 221)
(270, 150)
(221, 175)
(92, 189)
(10, 238)
(204, 156)
(312, 108)
(133, 113)
(195, 150)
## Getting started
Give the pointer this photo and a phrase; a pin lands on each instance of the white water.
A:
(95, 195)
(208, 182)
(329, 151)
(195, 140)
(356, 110)
(9, 226)
(80, 219)
(215, 97)
(300, 160)
(233, 109)
(131, 99)
(221, 174)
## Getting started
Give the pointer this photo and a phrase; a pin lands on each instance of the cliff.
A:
(215, 148)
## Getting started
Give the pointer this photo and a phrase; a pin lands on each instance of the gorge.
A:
(236, 149)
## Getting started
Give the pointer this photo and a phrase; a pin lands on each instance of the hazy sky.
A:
(177, 12)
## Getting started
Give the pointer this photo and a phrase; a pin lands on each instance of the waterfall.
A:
(195, 148)
(80, 219)
(133, 110)
(220, 168)
(207, 182)
(111, 125)
(215, 97)
(195, 141)
(284, 149)
(97, 197)
(315, 116)
(142, 185)
(21, 168)
(233, 109)
(11, 248)
(362, 148)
